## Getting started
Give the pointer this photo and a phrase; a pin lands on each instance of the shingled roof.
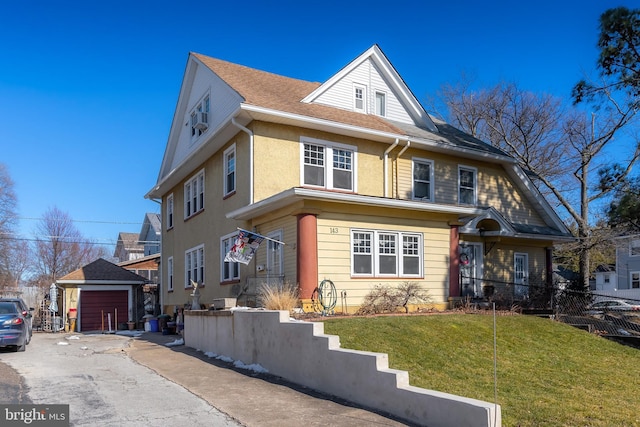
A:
(103, 271)
(273, 91)
(280, 93)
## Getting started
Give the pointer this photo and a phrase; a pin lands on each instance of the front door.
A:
(275, 251)
(521, 276)
(471, 270)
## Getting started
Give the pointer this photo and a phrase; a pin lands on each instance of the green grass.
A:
(549, 373)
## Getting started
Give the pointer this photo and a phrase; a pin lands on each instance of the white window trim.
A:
(198, 252)
(382, 113)
(475, 184)
(375, 247)
(170, 211)
(201, 106)
(223, 252)
(631, 246)
(364, 98)
(415, 160)
(631, 273)
(328, 163)
(170, 274)
(228, 151)
(198, 180)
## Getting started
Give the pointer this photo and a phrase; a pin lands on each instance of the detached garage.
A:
(102, 295)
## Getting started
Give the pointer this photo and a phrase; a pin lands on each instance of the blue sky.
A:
(88, 88)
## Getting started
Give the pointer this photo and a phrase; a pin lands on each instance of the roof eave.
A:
(292, 195)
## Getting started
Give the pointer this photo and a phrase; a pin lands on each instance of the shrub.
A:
(385, 299)
(284, 297)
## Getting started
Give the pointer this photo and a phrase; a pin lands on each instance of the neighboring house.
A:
(360, 183)
(605, 278)
(128, 247)
(102, 294)
(147, 267)
(628, 262)
(150, 234)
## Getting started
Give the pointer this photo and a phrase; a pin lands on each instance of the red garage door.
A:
(95, 307)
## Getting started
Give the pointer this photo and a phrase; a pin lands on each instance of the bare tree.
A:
(558, 146)
(8, 203)
(60, 248)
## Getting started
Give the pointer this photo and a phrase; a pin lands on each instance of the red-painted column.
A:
(307, 255)
(454, 262)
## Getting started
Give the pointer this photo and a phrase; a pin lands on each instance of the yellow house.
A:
(361, 185)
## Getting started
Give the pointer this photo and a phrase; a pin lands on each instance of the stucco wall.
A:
(300, 352)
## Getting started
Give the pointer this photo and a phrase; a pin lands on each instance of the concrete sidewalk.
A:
(254, 399)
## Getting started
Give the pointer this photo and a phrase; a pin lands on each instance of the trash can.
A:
(163, 319)
(153, 325)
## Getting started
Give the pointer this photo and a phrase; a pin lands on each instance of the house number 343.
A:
(333, 230)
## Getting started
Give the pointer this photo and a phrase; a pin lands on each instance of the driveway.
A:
(100, 383)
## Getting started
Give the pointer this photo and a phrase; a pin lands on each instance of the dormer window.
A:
(359, 98)
(381, 104)
(200, 118)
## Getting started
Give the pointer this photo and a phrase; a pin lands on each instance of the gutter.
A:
(248, 132)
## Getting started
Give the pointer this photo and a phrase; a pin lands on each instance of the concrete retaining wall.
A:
(301, 353)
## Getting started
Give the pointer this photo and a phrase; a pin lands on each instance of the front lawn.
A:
(548, 373)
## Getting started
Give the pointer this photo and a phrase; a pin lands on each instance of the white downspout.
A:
(248, 132)
(386, 166)
(397, 157)
(404, 149)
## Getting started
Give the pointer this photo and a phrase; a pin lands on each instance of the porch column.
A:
(454, 261)
(307, 258)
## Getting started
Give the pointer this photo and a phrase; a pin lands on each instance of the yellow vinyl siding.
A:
(494, 187)
(288, 226)
(334, 254)
(499, 264)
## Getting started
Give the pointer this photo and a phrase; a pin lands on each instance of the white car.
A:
(612, 305)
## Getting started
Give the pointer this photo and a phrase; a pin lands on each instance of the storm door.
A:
(521, 276)
(471, 270)
(275, 268)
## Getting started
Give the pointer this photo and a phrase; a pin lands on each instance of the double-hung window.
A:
(386, 254)
(194, 195)
(230, 170)
(228, 270)
(199, 118)
(381, 104)
(328, 165)
(170, 274)
(467, 185)
(194, 266)
(635, 280)
(634, 247)
(423, 179)
(359, 98)
(170, 211)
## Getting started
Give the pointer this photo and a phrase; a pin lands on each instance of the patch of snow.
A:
(179, 341)
(238, 364)
(253, 367)
(63, 343)
(73, 337)
(134, 334)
